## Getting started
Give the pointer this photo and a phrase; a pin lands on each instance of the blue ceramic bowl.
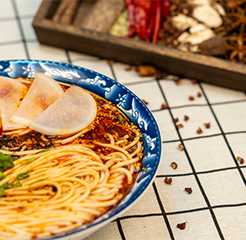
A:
(126, 101)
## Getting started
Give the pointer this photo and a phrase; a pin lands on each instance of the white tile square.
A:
(38, 51)
(27, 7)
(12, 51)
(232, 222)
(178, 95)
(9, 31)
(209, 153)
(217, 94)
(199, 226)
(166, 126)
(128, 76)
(100, 66)
(175, 198)
(6, 9)
(146, 228)
(28, 30)
(81, 56)
(231, 116)
(150, 92)
(237, 143)
(147, 204)
(223, 187)
(171, 153)
(197, 117)
(110, 231)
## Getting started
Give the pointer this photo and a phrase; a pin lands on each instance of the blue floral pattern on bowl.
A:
(124, 99)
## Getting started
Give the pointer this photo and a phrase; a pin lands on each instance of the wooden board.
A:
(195, 66)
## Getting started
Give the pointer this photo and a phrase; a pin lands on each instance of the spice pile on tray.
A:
(215, 28)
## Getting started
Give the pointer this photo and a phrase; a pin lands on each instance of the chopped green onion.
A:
(1, 192)
(2, 176)
(120, 118)
(2, 188)
(44, 150)
(28, 161)
(6, 162)
(4, 148)
(78, 177)
(23, 175)
(18, 184)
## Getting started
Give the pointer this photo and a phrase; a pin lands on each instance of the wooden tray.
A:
(194, 66)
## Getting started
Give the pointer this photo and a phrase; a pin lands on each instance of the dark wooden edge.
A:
(195, 66)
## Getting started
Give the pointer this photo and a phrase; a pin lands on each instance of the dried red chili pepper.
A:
(130, 4)
(165, 8)
(151, 20)
(142, 10)
(157, 21)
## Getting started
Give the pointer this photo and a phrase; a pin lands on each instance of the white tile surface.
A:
(150, 92)
(42, 52)
(27, 7)
(11, 32)
(171, 153)
(6, 9)
(145, 228)
(217, 94)
(199, 225)
(166, 126)
(28, 30)
(231, 116)
(12, 51)
(231, 221)
(209, 153)
(178, 95)
(182, 200)
(197, 117)
(223, 187)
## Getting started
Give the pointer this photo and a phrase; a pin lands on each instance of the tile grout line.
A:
(184, 211)
(164, 215)
(20, 27)
(200, 173)
(120, 229)
(194, 172)
(224, 136)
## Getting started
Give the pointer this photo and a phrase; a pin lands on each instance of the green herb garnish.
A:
(23, 175)
(6, 162)
(2, 176)
(78, 177)
(28, 161)
(18, 184)
(2, 188)
(120, 118)
(44, 150)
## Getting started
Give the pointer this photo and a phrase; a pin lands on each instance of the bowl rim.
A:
(11, 68)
